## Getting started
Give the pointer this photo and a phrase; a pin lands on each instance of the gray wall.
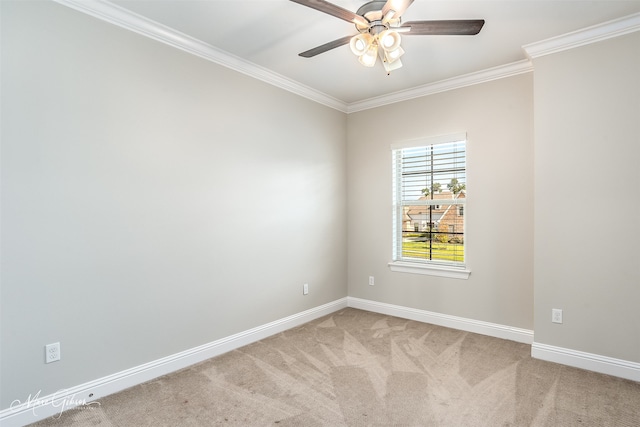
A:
(587, 122)
(497, 117)
(151, 201)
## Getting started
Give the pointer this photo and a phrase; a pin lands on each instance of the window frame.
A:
(457, 270)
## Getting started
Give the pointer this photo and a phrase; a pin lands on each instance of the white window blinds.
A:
(429, 193)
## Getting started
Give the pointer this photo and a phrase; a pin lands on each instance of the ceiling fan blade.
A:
(325, 47)
(464, 27)
(397, 6)
(333, 10)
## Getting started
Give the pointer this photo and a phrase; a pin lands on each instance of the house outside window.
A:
(429, 195)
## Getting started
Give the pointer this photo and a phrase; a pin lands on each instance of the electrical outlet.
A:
(371, 281)
(52, 352)
(556, 315)
(305, 289)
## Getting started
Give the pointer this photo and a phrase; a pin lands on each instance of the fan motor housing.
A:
(372, 12)
(372, 6)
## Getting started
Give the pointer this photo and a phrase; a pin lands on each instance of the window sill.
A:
(430, 270)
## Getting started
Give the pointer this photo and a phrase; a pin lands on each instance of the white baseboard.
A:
(591, 362)
(479, 327)
(37, 407)
(578, 359)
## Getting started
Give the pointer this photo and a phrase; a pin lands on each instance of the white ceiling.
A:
(271, 33)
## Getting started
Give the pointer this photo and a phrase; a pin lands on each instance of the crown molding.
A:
(126, 19)
(585, 36)
(114, 14)
(495, 73)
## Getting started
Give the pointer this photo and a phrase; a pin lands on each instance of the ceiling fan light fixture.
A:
(368, 59)
(390, 66)
(360, 44)
(393, 55)
(389, 40)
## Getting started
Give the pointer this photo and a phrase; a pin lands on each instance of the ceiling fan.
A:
(379, 26)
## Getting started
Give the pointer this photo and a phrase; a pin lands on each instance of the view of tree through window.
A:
(429, 197)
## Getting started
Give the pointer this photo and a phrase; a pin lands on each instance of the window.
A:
(429, 187)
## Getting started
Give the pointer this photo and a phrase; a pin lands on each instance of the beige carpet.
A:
(356, 368)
